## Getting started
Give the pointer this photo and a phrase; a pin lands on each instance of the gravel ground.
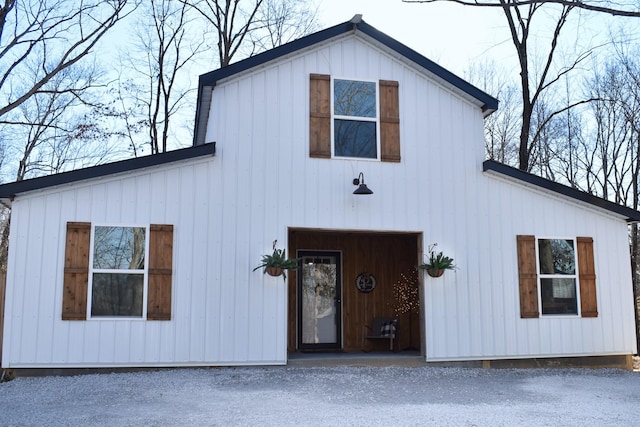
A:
(346, 396)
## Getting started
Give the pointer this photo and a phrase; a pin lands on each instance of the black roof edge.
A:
(9, 190)
(490, 103)
(632, 215)
(209, 79)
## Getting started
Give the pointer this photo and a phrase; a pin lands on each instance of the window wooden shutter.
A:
(320, 116)
(527, 277)
(389, 121)
(160, 272)
(76, 271)
(587, 277)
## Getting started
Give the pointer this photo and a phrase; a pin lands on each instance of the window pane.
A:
(353, 98)
(119, 248)
(556, 256)
(117, 294)
(559, 296)
(355, 139)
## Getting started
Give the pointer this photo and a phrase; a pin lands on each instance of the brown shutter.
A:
(587, 276)
(76, 271)
(527, 277)
(320, 116)
(389, 121)
(160, 272)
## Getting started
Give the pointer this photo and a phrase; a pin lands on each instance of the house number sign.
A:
(365, 282)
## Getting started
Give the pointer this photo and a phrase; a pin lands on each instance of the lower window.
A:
(558, 279)
(118, 273)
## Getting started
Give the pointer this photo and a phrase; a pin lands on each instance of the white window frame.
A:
(375, 119)
(144, 272)
(575, 276)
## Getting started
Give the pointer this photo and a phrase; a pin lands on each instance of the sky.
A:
(455, 36)
(449, 34)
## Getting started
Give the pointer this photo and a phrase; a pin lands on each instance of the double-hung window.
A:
(557, 275)
(355, 119)
(558, 279)
(118, 274)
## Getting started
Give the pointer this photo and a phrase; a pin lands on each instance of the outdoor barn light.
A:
(362, 187)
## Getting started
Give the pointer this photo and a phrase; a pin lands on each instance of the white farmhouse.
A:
(356, 154)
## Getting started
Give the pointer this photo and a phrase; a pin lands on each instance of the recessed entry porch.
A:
(348, 278)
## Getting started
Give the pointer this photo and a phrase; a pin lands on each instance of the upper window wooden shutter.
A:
(389, 121)
(160, 272)
(527, 277)
(587, 277)
(76, 271)
(320, 116)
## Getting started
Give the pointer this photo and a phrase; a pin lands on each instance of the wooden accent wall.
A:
(385, 255)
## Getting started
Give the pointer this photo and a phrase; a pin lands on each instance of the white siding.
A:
(222, 313)
(228, 209)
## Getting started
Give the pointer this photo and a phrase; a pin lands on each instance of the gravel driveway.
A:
(353, 396)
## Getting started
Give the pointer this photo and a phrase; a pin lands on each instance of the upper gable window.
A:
(355, 119)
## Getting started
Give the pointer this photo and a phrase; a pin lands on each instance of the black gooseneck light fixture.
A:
(362, 187)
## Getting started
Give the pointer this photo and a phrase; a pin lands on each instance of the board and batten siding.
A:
(222, 313)
(438, 189)
(227, 210)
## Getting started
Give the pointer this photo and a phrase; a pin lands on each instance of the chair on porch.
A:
(381, 328)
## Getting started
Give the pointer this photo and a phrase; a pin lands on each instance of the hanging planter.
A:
(435, 272)
(437, 263)
(274, 271)
(276, 263)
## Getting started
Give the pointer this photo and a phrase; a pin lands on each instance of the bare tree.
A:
(282, 21)
(54, 34)
(615, 8)
(232, 22)
(56, 129)
(165, 45)
(501, 127)
(42, 43)
(535, 81)
(246, 27)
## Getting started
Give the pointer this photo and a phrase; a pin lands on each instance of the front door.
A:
(319, 297)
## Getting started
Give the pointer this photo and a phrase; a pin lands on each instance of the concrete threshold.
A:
(409, 359)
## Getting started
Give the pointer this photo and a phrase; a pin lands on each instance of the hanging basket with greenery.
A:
(437, 263)
(276, 263)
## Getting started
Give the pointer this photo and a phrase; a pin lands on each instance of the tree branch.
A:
(586, 5)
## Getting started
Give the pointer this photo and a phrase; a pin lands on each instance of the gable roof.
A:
(208, 81)
(631, 215)
(8, 191)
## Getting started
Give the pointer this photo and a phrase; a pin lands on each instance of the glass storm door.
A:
(319, 312)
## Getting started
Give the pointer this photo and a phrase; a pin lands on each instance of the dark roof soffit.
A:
(491, 165)
(210, 78)
(11, 189)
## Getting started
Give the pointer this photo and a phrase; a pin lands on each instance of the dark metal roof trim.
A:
(8, 191)
(490, 103)
(211, 78)
(491, 165)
